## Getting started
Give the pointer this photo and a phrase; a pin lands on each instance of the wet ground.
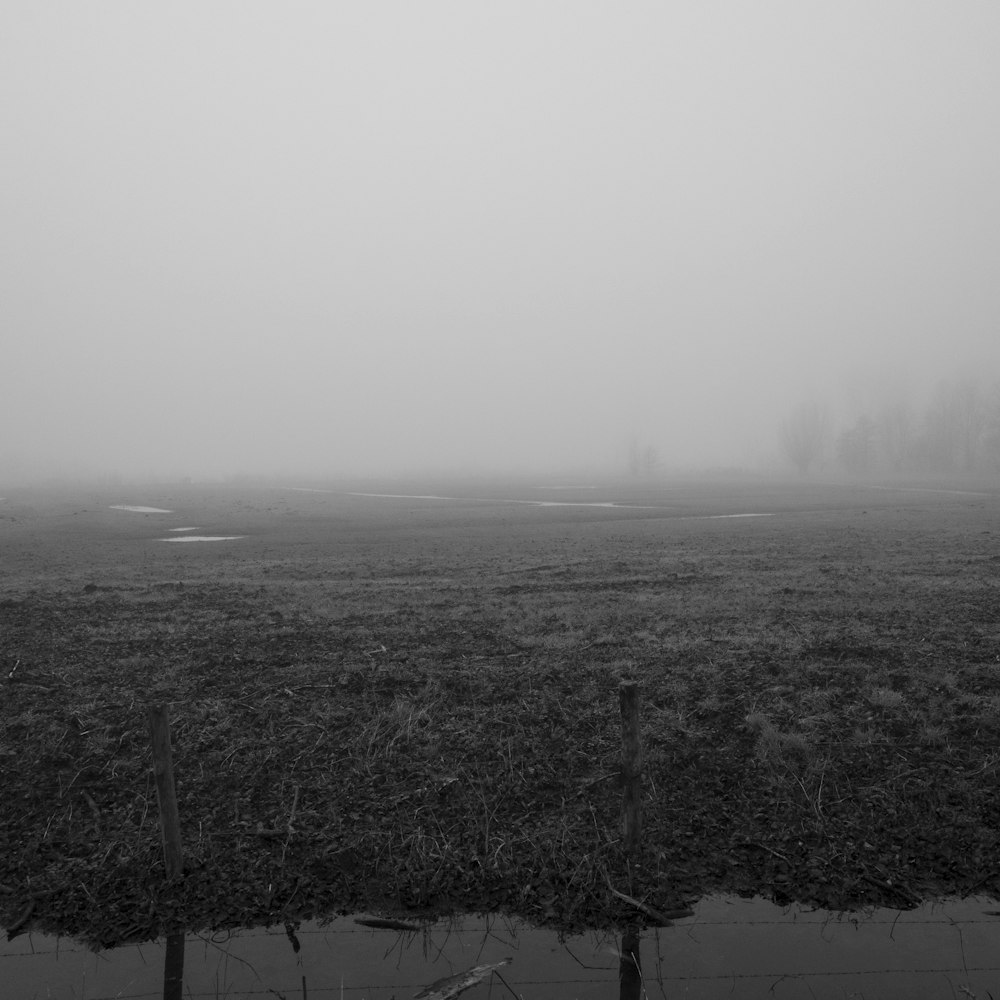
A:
(821, 708)
(731, 947)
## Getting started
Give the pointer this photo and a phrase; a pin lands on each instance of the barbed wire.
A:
(663, 981)
(695, 923)
(287, 987)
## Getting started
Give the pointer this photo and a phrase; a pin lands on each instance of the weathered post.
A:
(166, 794)
(630, 966)
(173, 967)
(170, 830)
(628, 699)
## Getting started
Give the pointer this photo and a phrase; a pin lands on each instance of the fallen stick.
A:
(764, 847)
(89, 799)
(664, 918)
(387, 924)
(15, 928)
(897, 890)
(450, 987)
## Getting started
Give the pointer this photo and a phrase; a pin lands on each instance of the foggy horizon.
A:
(380, 239)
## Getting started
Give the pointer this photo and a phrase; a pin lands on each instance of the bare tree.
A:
(895, 434)
(803, 434)
(856, 446)
(954, 426)
(991, 433)
(642, 461)
(634, 457)
(971, 417)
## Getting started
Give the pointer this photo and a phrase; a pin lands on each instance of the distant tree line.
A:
(956, 430)
(642, 461)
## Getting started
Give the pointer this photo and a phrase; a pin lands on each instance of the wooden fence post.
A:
(166, 794)
(628, 699)
(630, 966)
(173, 967)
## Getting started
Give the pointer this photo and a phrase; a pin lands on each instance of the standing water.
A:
(731, 947)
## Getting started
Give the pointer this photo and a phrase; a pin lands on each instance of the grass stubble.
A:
(427, 723)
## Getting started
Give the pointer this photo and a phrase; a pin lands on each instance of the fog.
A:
(386, 237)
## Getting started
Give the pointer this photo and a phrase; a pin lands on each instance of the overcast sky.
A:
(373, 236)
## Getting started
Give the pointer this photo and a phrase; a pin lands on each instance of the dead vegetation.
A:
(820, 704)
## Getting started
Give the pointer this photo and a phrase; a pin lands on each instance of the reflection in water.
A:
(510, 500)
(742, 949)
(630, 966)
(173, 967)
(202, 538)
(140, 510)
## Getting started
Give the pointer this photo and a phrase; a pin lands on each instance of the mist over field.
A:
(384, 238)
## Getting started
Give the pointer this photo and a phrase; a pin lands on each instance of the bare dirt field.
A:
(410, 704)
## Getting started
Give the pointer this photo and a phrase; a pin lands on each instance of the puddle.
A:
(200, 538)
(580, 503)
(529, 503)
(410, 496)
(140, 510)
(717, 517)
(606, 504)
(737, 948)
(928, 489)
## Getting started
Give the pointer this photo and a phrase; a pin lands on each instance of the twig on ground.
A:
(898, 890)
(764, 847)
(89, 799)
(451, 986)
(23, 917)
(387, 924)
(611, 775)
(665, 919)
